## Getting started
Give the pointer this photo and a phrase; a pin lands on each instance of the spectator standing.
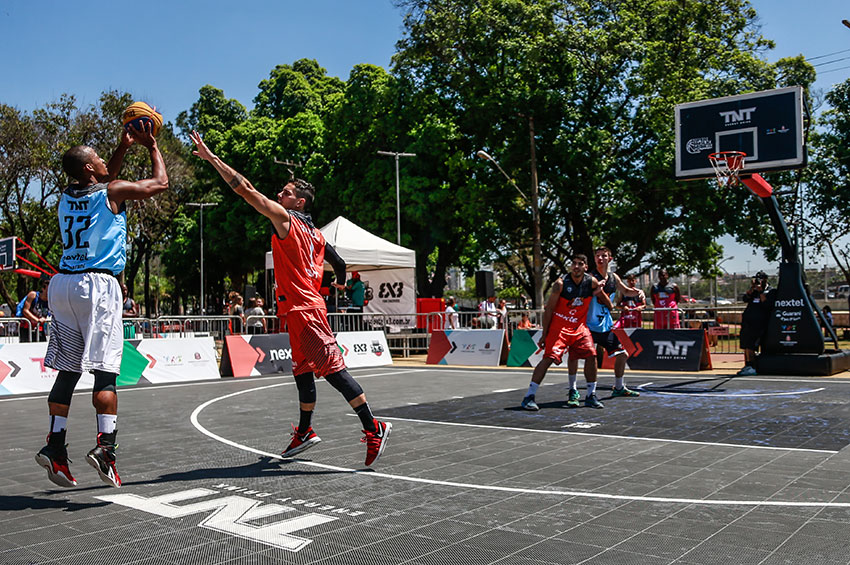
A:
(130, 309)
(827, 321)
(253, 316)
(237, 311)
(503, 314)
(452, 321)
(355, 291)
(754, 321)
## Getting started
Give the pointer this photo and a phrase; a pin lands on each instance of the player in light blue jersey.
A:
(601, 326)
(85, 296)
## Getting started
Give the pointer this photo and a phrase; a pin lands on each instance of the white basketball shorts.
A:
(87, 332)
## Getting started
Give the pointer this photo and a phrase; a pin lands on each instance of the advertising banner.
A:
(524, 350)
(662, 350)
(466, 347)
(391, 292)
(22, 369)
(255, 355)
(364, 349)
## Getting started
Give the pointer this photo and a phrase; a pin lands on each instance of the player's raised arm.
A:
(600, 294)
(626, 290)
(243, 187)
(121, 190)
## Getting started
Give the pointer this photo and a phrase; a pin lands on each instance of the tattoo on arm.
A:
(236, 181)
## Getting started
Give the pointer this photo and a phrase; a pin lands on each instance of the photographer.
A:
(754, 320)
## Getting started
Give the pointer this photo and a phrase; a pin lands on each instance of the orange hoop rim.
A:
(727, 165)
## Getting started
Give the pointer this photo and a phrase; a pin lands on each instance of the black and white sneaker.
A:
(102, 458)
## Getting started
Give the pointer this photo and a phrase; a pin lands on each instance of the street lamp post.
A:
(716, 271)
(201, 206)
(397, 193)
(537, 253)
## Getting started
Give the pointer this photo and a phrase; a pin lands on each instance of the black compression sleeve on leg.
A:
(104, 381)
(345, 384)
(63, 388)
(306, 388)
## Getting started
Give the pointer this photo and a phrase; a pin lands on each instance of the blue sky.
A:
(166, 52)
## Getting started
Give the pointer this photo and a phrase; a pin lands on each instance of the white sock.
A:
(591, 389)
(532, 388)
(572, 380)
(106, 423)
(58, 423)
(619, 382)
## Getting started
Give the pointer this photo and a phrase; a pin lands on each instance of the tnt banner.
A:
(364, 349)
(524, 350)
(22, 369)
(662, 350)
(255, 355)
(465, 347)
(391, 292)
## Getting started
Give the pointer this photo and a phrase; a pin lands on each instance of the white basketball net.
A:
(727, 165)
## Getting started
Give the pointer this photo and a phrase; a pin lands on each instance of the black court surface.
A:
(749, 470)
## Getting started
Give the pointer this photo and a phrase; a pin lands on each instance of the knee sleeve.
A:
(306, 388)
(63, 388)
(104, 381)
(345, 384)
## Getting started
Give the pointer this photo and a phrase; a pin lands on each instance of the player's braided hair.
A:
(305, 190)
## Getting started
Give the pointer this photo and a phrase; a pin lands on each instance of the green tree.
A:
(828, 177)
(599, 79)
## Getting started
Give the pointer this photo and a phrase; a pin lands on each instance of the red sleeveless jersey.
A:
(571, 311)
(298, 264)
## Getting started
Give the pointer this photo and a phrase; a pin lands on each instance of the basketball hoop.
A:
(727, 165)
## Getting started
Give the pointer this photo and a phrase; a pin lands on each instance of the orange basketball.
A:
(138, 114)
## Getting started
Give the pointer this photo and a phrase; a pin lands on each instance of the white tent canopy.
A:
(364, 251)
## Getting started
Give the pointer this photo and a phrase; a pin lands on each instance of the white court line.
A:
(637, 438)
(506, 390)
(726, 394)
(157, 386)
(512, 490)
(707, 376)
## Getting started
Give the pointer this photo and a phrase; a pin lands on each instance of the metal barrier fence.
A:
(406, 334)
(19, 330)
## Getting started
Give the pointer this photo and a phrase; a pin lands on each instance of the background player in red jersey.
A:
(298, 250)
(665, 299)
(565, 329)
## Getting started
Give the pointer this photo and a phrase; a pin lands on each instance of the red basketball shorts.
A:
(577, 342)
(314, 347)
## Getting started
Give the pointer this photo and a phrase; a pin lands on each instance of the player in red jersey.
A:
(565, 329)
(665, 299)
(298, 250)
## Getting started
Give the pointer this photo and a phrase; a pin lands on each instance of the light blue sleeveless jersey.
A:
(598, 315)
(93, 237)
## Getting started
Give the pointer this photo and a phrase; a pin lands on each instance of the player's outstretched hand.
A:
(201, 149)
(143, 136)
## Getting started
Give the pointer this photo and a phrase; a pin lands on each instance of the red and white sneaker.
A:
(54, 458)
(301, 442)
(102, 458)
(376, 441)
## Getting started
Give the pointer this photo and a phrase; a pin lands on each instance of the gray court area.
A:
(748, 470)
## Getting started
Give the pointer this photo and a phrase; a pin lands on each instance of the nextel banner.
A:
(663, 350)
(254, 355)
